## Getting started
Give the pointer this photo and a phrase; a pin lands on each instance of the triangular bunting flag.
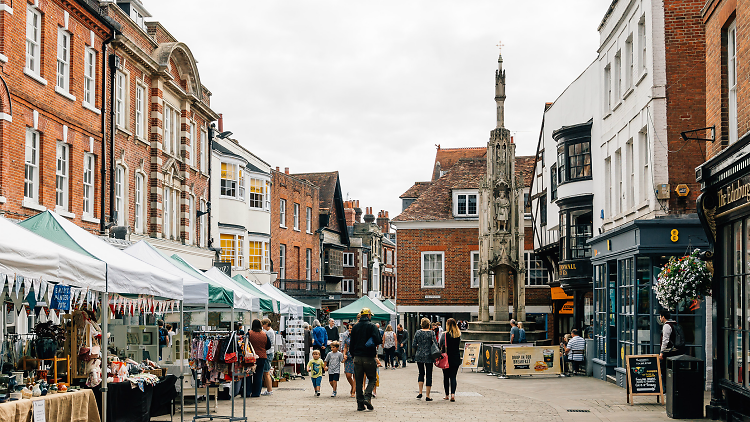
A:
(37, 287)
(46, 310)
(57, 313)
(19, 282)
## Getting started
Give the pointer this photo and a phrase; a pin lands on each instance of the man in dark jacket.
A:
(364, 357)
(332, 331)
(403, 341)
(308, 345)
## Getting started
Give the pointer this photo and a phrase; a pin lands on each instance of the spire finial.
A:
(500, 45)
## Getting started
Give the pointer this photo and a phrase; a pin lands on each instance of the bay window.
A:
(232, 249)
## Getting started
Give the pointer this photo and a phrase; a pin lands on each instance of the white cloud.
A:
(368, 88)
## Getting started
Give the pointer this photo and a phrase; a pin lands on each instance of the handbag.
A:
(231, 357)
(442, 361)
(435, 352)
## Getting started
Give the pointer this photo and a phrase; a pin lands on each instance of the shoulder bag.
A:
(442, 361)
(434, 349)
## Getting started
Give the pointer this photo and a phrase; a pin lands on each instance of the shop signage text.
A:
(734, 195)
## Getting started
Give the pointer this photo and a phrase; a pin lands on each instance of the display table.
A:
(127, 404)
(78, 406)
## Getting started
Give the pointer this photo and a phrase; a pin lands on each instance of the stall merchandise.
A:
(295, 345)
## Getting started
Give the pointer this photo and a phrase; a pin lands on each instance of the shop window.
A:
(735, 291)
(626, 308)
(643, 305)
(432, 269)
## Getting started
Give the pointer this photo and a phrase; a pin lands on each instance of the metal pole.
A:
(182, 363)
(208, 396)
(105, 337)
(231, 365)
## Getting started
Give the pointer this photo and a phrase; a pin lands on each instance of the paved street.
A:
(479, 398)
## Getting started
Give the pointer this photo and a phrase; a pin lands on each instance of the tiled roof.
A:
(434, 203)
(416, 190)
(327, 184)
(447, 157)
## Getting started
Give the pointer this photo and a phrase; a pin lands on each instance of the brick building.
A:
(437, 242)
(158, 179)
(51, 101)
(722, 205)
(295, 236)
(388, 274)
(332, 235)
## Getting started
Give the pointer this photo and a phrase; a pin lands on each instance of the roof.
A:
(225, 151)
(327, 184)
(417, 189)
(447, 157)
(435, 202)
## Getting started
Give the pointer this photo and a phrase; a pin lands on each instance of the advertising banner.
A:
(472, 353)
(532, 360)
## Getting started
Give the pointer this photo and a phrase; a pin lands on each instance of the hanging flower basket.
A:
(685, 278)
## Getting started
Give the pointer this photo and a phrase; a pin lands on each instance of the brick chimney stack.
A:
(369, 218)
(384, 222)
(349, 213)
(286, 170)
(221, 123)
(357, 212)
(277, 168)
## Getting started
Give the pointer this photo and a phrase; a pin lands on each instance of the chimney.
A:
(277, 168)
(383, 222)
(369, 218)
(221, 123)
(357, 212)
(349, 213)
(286, 170)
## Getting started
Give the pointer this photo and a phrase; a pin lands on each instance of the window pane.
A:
(472, 204)
(461, 204)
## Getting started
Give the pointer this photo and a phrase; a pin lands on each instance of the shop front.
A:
(626, 262)
(724, 208)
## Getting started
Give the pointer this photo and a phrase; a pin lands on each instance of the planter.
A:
(274, 383)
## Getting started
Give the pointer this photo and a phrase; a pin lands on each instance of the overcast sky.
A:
(369, 88)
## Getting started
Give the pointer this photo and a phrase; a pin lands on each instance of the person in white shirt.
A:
(576, 343)
(271, 334)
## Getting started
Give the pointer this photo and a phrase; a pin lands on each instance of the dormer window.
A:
(465, 203)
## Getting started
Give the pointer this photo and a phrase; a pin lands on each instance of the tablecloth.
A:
(127, 404)
(77, 406)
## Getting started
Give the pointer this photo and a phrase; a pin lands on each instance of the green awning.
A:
(265, 300)
(379, 311)
(45, 225)
(217, 295)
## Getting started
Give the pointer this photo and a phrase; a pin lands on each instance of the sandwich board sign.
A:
(472, 356)
(644, 377)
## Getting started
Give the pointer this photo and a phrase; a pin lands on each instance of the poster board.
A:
(486, 358)
(497, 359)
(295, 343)
(472, 354)
(644, 377)
(532, 360)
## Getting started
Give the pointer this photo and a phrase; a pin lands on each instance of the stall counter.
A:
(60, 407)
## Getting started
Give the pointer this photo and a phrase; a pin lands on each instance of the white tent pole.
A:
(182, 363)
(105, 336)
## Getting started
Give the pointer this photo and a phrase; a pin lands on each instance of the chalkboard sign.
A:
(644, 377)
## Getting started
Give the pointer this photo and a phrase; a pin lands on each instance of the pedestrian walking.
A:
(389, 346)
(514, 332)
(332, 332)
(521, 333)
(319, 337)
(308, 342)
(422, 344)
(315, 368)
(271, 334)
(333, 366)
(450, 345)
(259, 340)
(364, 343)
(349, 360)
(403, 341)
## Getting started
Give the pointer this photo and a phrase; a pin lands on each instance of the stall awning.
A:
(252, 287)
(205, 289)
(29, 255)
(259, 304)
(125, 273)
(380, 312)
(307, 310)
(390, 305)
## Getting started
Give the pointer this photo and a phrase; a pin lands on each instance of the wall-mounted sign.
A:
(734, 195)
(432, 296)
(567, 308)
(682, 190)
(574, 269)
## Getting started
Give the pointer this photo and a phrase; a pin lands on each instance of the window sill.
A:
(91, 107)
(3, 200)
(643, 205)
(233, 198)
(282, 226)
(296, 230)
(65, 213)
(630, 212)
(32, 204)
(34, 76)
(433, 287)
(3, 57)
(143, 141)
(6, 8)
(640, 78)
(627, 93)
(90, 219)
(619, 103)
(308, 232)
(607, 114)
(65, 93)
(125, 131)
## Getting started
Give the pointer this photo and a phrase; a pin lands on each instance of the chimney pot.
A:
(221, 123)
(286, 170)
(277, 168)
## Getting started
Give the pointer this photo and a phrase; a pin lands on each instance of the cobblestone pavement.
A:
(479, 398)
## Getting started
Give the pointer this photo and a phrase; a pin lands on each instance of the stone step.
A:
(493, 325)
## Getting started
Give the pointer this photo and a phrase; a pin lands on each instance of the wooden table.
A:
(78, 406)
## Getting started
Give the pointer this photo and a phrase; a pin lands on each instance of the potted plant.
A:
(685, 278)
(48, 338)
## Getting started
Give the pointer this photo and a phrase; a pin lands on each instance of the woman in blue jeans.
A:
(422, 345)
(258, 339)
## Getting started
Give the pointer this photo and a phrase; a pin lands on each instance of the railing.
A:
(302, 287)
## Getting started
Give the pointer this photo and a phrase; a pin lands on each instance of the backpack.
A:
(162, 336)
(678, 336)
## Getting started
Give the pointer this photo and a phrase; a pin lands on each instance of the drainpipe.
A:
(211, 134)
(102, 166)
(114, 63)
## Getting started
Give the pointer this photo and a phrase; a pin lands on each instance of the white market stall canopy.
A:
(243, 299)
(205, 290)
(296, 308)
(31, 256)
(125, 273)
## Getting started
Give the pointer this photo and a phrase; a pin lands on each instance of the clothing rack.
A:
(231, 389)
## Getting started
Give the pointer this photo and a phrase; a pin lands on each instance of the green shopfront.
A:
(724, 208)
(626, 262)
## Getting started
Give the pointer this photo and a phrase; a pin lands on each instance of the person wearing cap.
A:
(364, 342)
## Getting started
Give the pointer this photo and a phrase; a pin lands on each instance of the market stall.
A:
(253, 288)
(259, 304)
(380, 312)
(285, 306)
(140, 288)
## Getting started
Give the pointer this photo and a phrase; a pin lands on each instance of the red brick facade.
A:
(299, 191)
(686, 95)
(55, 114)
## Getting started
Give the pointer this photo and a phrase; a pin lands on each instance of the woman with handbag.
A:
(425, 346)
(449, 345)
(260, 343)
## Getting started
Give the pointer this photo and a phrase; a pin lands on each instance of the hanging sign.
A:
(60, 298)
(644, 377)
(567, 308)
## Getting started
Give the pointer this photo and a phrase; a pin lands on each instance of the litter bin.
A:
(685, 381)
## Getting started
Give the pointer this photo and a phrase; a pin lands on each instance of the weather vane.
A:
(500, 45)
